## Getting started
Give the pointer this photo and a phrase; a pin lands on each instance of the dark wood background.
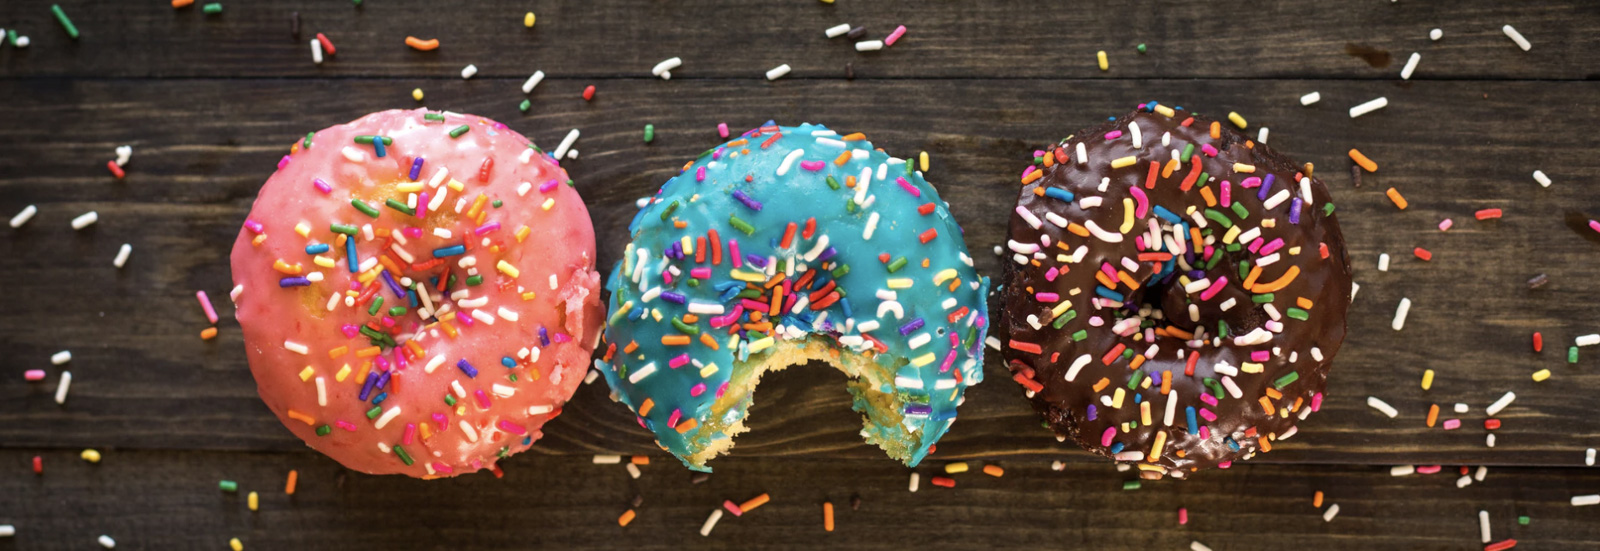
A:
(209, 102)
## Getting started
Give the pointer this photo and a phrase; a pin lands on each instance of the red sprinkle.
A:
(588, 93)
(1491, 424)
(1486, 214)
(1538, 342)
(485, 168)
(327, 45)
(944, 482)
(38, 465)
(1423, 253)
(115, 170)
(1500, 545)
(928, 235)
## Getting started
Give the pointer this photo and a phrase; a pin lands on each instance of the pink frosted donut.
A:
(417, 292)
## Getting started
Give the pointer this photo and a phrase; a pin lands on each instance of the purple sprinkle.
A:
(416, 168)
(918, 409)
(827, 254)
(1294, 210)
(752, 203)
(486, 228)
(294, 282)
(674, 298)
(467, 368)
(1266, 188)
(756, 260)
(544, 336)
(383, 380)
(366, 389)
(913, 326)
(393, 285)
(1093, 413)
(322, 186)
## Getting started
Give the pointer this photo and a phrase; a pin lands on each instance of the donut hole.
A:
(1165, 299)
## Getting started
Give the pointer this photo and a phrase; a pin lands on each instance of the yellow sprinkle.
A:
(923, 360)
(236, 544)
(455, 184)
(90, 455)
(1541, 375)
(742, 275)
(410, 187)
(522, 233)
(1060, 309)
(1244, 168)
(709, 370)
(1236, 119)
(763, 344)
(303, 229)
(416, 94)
(1165, 111)
(958, 467)
(527, 20)
(548, 203)
(1116, 398)
(343, 372)
(305, 374)
(1101, 56)
(1233, 233)
(323, 261)
(688, 245)
(1161, 442)
(508, 269)
(900, 283)
(1427, 379)
(923, 161)
(943, 276)
(1125, 161)
(255, 502)
(530, 295)
(1127, 215)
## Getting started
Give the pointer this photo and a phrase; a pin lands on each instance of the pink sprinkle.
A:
(1051, 275)
(1428, 469)
(908, 187)
(413, 232)
(722, 129)
(464, 318)
(1210, 151)
(700, 174)
(753, 305)
(698, 389)
(1256, 245)
(703, 272)
(512, 428)
(1208, 399)
(438, 419)
(322, 186)
(1260, 356)
(387, 321)
(1316, 402)
(1143, 200)
(732, 507)
(547, 186)
(679, 361)
(1108, 436)
(346, 425)
(895, 36)
(1027, 171)
(254, 226)
(949, 359)
(666, 277)
(486, 228)
(1251, 182)
(1046, 297)
(1444, 225)
(1227, 194)
(722, 390)
(1183, 516)
(443, 468)
(1224, 465)
(283, 162)
(1594, 225)
(33, 375)
(483, 399)
(672, 420)
(812, 165)
(205, 302)
(410, 434)
(350, 330)
(1452, 424)
(1114, 134)
(1108, 270)
(1273, 246)
(723, 321)
(733, 247)
(1207, 414)
(559, 338)
(1216, 287)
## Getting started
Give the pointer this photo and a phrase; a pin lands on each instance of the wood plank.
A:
(202, 147)
(741, 39)
(171, 500)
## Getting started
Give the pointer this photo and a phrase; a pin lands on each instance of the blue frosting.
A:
(882, 271)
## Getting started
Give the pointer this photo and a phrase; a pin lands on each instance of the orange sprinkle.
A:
(754, 502)
(687, 426)
(705, 339)
(856, 137)
(208, 333)
(1363, 161)
(994, 471)
(827, 516)
(301, 417)
(1216, 130)
(632, 346)
(1211, 199)
(1288, 277)
(288, 487)
(449, 330)
(1266, 404)
(1266, 444)
(1049, 158)
(181, 3)
(1433, 414)
(644, 409)
(675, 340)
(424, 45)
(626, 518)
(368, 352)
(1316, 500)
(640, 460)
(1073, 227)
(1394, 195)
(340, 351)
(1032, 176)
(1303, 302)
(842, 159)
(1101, 384)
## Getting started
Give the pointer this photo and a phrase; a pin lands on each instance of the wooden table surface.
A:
(210, 101)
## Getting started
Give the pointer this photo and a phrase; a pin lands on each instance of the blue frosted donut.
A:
(786, 245)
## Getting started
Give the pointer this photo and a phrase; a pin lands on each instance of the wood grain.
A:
(170, 500)
(743, 38)
(144, 380)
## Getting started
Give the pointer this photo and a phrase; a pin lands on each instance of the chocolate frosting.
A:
(1124, 368)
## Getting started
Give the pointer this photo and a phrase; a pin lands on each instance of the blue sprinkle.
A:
(1058, 193)
(411, 297)
(1194, 427)
(1116, 448)
(350, 255)
(1231, 444)
(416, 168)
(380, 398)
(294, 282)
(467, 368)
(844, 305)
(447, 251)
(377, 147)
(318, 248)
(508, 362)
(1113, 295)
(1166, 214)
(730, 284)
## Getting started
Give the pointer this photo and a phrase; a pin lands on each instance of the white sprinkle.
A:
(1483, 525)
(387, 417)
(1494, 409)
(1464, 481)
(527, 86)
(633, 470)
(1369, 107)
(124, 152)
(468, 71)
(1591, 499)
(471, 432)
(566, 143)
(122, 255)
(352, 154)
(1461, 407)
(1380, 405)
(777, 72)
(61, 388)
(1538, 176)
(1383, 262)
(107, 542)
(837, 30)
(23, 41)
(24, 216)
(1400, 314)
(1262, 135)
(316, 51)
(1072, 372)
(322, 392)
(61, 357)
(1411, 66)
(641, 373)
(872, 226)
(85, 220)
(506, 314)
(1333, 511)
(788, 161)
(1197, 546)
(917, 479)
(1435, 34)
(1517, 37)
(297, 348)
(711, 522)
(1482, 472)
(869, 45)
(665, 66)
(607, 459)
(1310, 98)
(1587, 340)
(1403, 470)
(7, 530)
(1588, 457)
(1489, 441)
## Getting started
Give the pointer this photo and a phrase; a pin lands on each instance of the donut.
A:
(1175, 292)
(783, 246)
(417, 292)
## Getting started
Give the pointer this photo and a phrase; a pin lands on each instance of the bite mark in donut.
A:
(417, 292)
(784, 246)
(1175, 293)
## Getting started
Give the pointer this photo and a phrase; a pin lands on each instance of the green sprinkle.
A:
(72, 30)
(1216, 388)
(749, 293)
(397, 311)
(497, 203)
(649, 133)
(451, 282)
(373, 413)
(377, 302)
(684, 327)
(371, 333)
(832, 183)
(1187, 151)
(404, 457)
(228, 485)
(324, 430)
(1524, 520)
(694, 282)
(1222, 329)
(512, 377)
(449, 400)
(1130, 485)
(346, 229)
(667, 213)
(212, 8)
(1233, 248)
(1204, 178)
(1286, 379)
(1133, 382)
(364, 208)
(306, 144)
(459, 130)
(433, 116)
(1064, 318)
(850, 206)
(1141, 48)
(11, 37)
(1262, 299)
(1299, 314)
(1080, 335)
(525, 106)
(898, 264)
(1327, 210)
(1240, 211)
(397, 205)
(367, 140)
(909, 168)
(1572, 355)
(841, 271)
(741, 225)
(1218, 217)
(474, 280)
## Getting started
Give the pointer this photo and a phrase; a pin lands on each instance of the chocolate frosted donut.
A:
(1175, 292)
